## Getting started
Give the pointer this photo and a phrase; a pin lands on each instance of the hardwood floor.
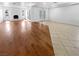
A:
(24, 38)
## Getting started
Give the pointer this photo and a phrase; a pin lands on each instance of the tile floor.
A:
(65, 39)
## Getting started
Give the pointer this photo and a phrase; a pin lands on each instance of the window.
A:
(42, 14)
(26, 14)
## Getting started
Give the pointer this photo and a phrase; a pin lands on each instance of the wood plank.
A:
(24, 38)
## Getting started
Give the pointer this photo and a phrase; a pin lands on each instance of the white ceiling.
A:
(37, 4)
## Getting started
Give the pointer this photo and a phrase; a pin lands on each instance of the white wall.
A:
(69, 15)
(13, 11)
(32, 13)
(37, 13)
(1, 14)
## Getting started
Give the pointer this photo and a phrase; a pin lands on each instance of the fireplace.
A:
(15, 17)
